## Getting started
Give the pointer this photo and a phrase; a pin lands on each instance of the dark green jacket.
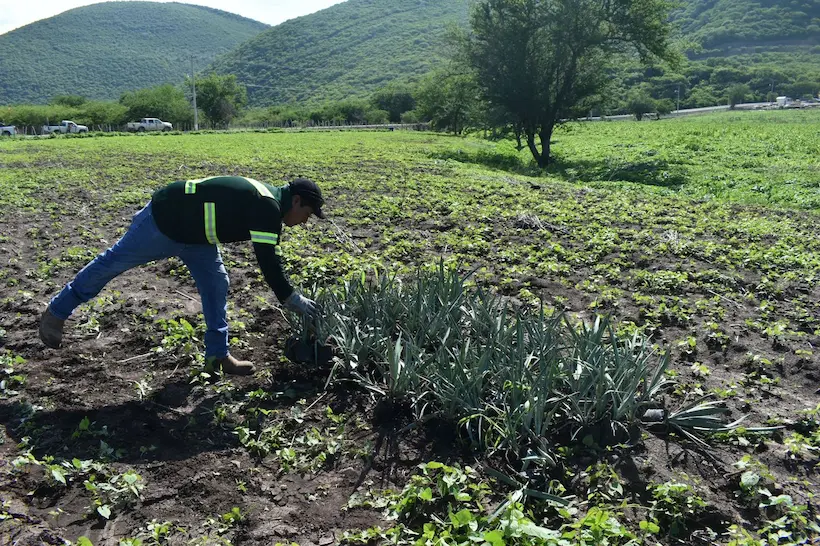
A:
(227, 209)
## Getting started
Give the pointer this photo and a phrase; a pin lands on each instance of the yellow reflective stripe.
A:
(190, 185)
(260, 187)
(277, 250)
(210, 223)
(264, 237)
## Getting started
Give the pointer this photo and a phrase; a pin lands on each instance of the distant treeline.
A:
(707, 82)
(444, 99)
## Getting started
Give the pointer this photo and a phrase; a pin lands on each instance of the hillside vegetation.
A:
(357, 46)
(348, 49)
(724, 24)
(102, 50)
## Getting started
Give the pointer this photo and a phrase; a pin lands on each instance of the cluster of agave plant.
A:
(514, 381)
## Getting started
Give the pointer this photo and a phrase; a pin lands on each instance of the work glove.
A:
(300, 304)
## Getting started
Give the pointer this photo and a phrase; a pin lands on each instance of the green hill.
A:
(101, 50)
(726, 25)
(348, 49)
(356, 46)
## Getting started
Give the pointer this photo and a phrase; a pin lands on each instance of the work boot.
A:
(51, 329)
(232, 366)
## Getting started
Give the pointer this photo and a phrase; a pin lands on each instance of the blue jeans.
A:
(143, 243)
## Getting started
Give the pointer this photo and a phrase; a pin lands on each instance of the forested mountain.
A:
(101, 50)
(731, 24)
(357, 46)
(348, 49)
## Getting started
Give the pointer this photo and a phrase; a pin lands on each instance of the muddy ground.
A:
(153, 418)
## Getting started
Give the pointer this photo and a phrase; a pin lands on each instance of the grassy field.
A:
(698, 236)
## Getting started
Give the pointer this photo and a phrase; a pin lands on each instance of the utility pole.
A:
(193, 89)
(678, 98)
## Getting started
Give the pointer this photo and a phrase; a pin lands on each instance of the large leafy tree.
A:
(546, 60)
(449, 100)
(163, 101)
(220, 97)
(393, 100)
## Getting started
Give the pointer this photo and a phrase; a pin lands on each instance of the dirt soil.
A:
(194, 468)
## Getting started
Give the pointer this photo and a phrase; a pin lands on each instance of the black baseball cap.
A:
(310, 193)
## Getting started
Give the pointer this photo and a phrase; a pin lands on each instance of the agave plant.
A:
(697, 418)
(515, 381)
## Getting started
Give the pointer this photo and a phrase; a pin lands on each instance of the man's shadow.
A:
(149, 430)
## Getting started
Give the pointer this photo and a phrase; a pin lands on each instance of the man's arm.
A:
(270, 262)
(265, 236)
(265, 229)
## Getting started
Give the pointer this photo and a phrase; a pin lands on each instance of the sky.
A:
(17, 13)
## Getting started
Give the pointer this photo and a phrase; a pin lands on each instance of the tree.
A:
(164, 101)
(69, 100)
(737, 94)
(104, 113)
(543, 60)
(640, 104)
(219, 97)
(448, 100)
(394, 100)
(803, 88)
(704, 95)
(664, 107)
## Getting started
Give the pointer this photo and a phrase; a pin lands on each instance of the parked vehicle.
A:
(65, 126)
(149, 124)
(7, 130)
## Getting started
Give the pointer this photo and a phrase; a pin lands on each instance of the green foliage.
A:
(449, 100)
(651, 209)
(103, 50)
(10, 380)
(722, 24)
(283, 436)
(360, 46)
(350, 111)
(675, 507)
(221, 98)
(118, 491)
(345, 51)
(737, 94)
(407, 40)
(664, 107)
(101, 113)
(69, 100)
(394, 100)
(546, 61)
(166, 102)
(446, 505)
(640, 104)
(513, 381)
(94, 114)
(341, 112)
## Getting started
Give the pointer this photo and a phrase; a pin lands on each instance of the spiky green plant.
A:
(514, 381)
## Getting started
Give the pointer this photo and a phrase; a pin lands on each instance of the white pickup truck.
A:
(7, 130)
(65, 126)
(149, 124)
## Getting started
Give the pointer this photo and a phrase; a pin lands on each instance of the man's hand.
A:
(297, 302)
